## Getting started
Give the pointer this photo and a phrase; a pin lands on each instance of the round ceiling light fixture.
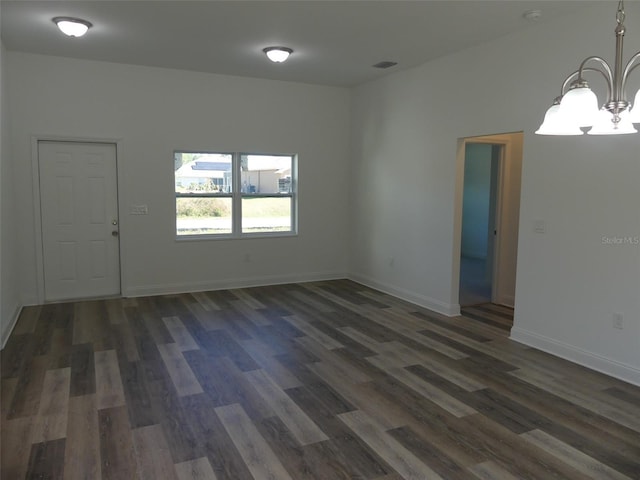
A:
(72, 27)
(277, 54)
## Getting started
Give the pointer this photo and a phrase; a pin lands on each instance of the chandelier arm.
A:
(578, 73)
(609, 74)
(634, 63)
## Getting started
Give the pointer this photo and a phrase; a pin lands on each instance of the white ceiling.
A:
(334, 42)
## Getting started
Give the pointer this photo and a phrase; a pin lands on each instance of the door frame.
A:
(37, 211)
(506, 151)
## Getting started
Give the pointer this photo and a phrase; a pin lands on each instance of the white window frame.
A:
(237, 196)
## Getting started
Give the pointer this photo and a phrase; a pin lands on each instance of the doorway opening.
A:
(487, 220)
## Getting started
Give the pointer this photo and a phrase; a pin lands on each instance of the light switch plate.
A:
(138, 210)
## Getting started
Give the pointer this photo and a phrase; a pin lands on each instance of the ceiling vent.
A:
(386, 64)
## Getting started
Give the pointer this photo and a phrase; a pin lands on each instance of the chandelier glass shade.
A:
(634, 115)
(577, 108)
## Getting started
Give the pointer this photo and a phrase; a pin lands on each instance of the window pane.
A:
(266, 215)
(203, 216)
(203, 172)
(265, 173)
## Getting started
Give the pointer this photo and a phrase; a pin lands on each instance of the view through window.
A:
(234, 194)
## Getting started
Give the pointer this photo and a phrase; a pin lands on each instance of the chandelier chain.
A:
(620, 13)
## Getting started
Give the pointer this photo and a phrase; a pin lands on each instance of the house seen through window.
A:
(234, 194)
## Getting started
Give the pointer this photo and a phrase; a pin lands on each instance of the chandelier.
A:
(577, 108)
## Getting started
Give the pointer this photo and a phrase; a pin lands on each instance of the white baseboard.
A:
(613, 368)
(11, 325)
(448, 309)
(171, 288)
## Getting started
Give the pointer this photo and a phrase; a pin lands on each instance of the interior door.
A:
(79, 208)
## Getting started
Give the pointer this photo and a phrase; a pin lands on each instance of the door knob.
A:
(114, 233)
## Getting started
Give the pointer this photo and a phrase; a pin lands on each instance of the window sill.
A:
(244, 236)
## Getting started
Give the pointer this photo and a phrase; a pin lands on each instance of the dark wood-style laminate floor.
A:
(327, 380)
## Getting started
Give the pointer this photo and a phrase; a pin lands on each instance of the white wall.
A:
(405, 129)
(153, 111)
(9, 286)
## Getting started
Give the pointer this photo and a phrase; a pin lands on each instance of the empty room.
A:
(273, 240)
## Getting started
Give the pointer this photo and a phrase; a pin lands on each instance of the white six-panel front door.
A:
(80, 228)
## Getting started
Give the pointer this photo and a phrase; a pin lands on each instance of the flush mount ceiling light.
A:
(73, 27)
(277, 54)
(577, 108)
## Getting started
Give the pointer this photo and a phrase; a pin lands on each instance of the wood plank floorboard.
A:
(198, 469)
(490, 471)
(214, 443)
(325, 380)
(488, 318)
(303, 429)
(152, 454)
(51, 420)
(406, 464)
(83, 440)
(255, 451)
(47, 460)
(118, 459)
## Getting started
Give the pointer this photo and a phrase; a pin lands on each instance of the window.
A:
(234, 194)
